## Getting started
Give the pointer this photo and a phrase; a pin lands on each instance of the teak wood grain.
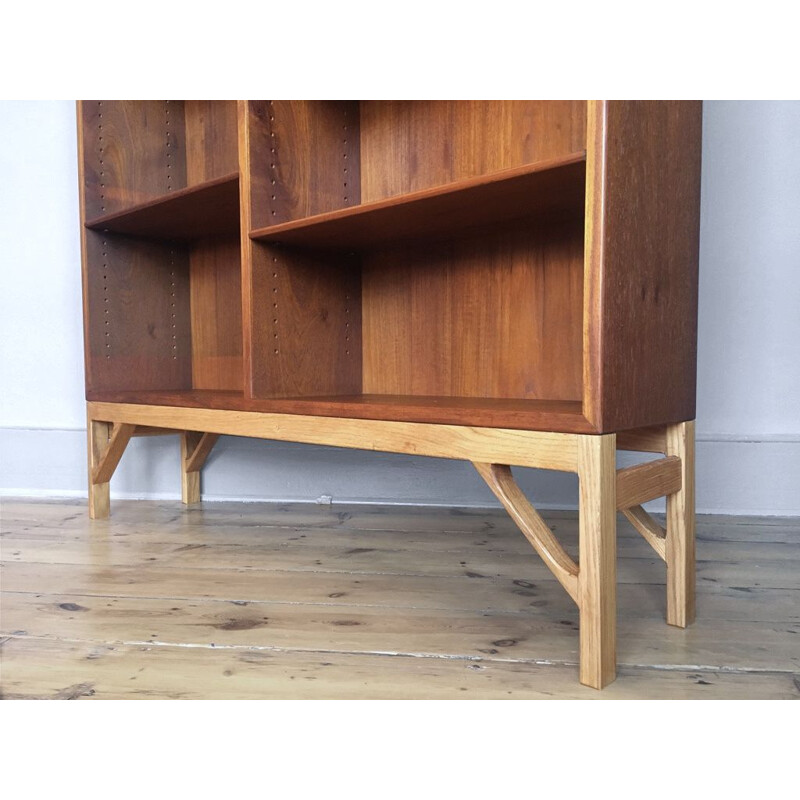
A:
(535, 415)
(409, 146)
(554, 187)
(490, 315)
(206, 209)
(215, 281)
(643, 222)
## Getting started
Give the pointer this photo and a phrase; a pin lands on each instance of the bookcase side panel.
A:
(643, 208)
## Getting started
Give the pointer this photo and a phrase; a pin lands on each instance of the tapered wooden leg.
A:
(680, 544)
(98, 434)
(597, 576)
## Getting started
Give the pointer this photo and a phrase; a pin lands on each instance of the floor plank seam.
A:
(148, 643)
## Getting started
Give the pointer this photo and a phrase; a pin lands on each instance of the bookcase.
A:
(512, 283)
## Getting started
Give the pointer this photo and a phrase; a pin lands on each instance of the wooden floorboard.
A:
(291, 600)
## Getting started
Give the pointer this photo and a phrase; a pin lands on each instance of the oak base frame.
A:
(604, 490)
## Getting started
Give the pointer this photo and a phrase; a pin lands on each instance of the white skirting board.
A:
(734, 476)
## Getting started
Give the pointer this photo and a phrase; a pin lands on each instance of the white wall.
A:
(749, 337)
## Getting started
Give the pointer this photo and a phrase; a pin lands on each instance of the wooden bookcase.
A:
(505, 282)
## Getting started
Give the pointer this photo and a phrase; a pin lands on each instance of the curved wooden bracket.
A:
(505, 488)
(653, 533)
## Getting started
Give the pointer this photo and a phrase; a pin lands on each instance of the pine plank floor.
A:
(234, 600)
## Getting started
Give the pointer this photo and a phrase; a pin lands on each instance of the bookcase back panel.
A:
(494, 315)
(137, 314)
(211, 139)
(305, 326)
(304, 157)
(216, 313)
(412, 145)
(137, 151)
(133, 151)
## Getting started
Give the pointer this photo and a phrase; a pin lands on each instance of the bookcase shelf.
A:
(554, 187)
(206, 209)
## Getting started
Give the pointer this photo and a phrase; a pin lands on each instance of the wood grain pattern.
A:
(535, 415)
(500, 480)
(97, 434)
(680, 549)
(190, 479)
(136, 303)
(205, 209)
(211, 139)
(491, 315)
(554, 188)
(407, 146)
(644, 482)
(493, 445)
(645, 440)
(108, 460)
(643, 217)
(46, 669)
(304, 157)
(597, 578)
(133, 151)
(652, 532)
(305, 325)
(200, 451)
(215, 284)
(218, 573)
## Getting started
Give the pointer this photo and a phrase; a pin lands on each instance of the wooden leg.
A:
(190, 479)
(195, 448)
(107, 443)
(597, 576)
(98, 434)
(680, 544)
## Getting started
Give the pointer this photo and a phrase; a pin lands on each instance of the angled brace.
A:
(653, 533)
(108, 459)
(505, 488)
(195, 449)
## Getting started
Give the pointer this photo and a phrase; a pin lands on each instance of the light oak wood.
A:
(644, 482)
(652, 532)
(493, 445)
(190, 479)
(195, 449)
(108, 460)
(146, 430)
(201, 451)
(646, 440)
(98, 435)
(505, 488)
(597, 579)
(680, 547)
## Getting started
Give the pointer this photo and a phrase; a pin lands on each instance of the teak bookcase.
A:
(505, 282)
